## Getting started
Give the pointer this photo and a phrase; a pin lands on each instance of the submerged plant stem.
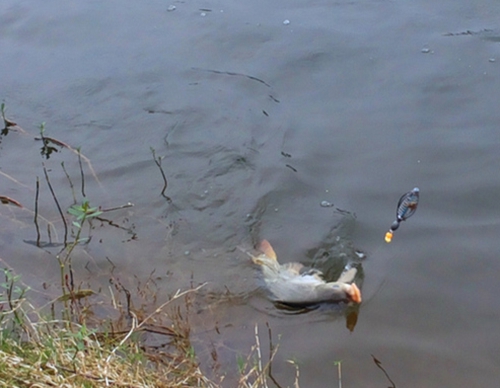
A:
(165, 183)
(272, 352)
(36, 213)
(57, 204)
(81, 171)
(379, 365)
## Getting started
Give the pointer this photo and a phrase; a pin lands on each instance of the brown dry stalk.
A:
(7, 200)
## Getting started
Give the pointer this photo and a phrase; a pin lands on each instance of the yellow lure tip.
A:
(388, 237)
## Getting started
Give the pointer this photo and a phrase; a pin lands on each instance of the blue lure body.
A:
(407, 206)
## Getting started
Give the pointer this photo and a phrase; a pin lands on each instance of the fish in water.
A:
(295, 285)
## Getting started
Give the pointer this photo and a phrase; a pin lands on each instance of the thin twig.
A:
(297, 373)
(36, 213)
(72, 280)
(128, 204)
(243, 381)
(272, 352)
(132, 330)
(165, 183)
(49, 234)
(10, 300)
(57, 204)
(127, 294)
(259, 356)
(112, 223)
(81, 171)
(113, 300)
(177, 295)
(379, 365)
(339, 369)
(112, 264)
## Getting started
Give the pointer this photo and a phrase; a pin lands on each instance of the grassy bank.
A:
(77, 350)
(45, 351)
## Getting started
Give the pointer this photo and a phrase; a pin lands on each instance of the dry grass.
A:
(39, 352)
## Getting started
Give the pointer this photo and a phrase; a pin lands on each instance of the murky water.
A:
(258, 122)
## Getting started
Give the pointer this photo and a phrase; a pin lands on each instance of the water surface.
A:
(258, 122)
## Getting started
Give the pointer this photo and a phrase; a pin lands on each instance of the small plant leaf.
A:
(73, 210)
(95, 214)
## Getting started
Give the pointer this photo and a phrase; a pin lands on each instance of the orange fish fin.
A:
(266, 248)
(355, 293)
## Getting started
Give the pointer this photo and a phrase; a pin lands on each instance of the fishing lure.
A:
(407, 206)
